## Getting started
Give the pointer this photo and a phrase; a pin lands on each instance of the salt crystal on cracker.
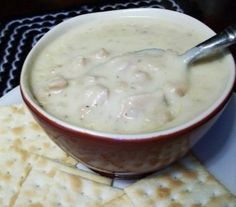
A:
(185, 183)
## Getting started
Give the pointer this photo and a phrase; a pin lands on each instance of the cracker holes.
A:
(176, 177)
(58, 204)
(199, 204)
(202, 179)
(82, 193)
(216, 193)
(188, 190)
(148, 192)
(101, 197)
(37, 185)
(172, 199)
(142, 192)
(200, 182)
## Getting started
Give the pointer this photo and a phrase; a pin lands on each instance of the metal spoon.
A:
(212, 45)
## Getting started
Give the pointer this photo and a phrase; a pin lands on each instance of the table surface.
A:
(217, 14)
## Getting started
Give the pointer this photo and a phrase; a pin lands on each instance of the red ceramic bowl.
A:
(124, 155)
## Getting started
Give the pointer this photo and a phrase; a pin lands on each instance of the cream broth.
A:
(87, 76)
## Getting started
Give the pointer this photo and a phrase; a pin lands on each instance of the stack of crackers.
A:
(34, 172)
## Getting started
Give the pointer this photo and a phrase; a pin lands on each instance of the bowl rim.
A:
(180, 129)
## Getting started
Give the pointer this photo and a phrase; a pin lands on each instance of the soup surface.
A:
(89, 78)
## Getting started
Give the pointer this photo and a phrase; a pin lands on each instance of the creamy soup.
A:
(89, 76)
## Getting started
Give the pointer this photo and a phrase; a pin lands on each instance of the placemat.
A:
(18, 36)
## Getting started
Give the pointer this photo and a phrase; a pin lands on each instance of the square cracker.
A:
(18, 129)
(35, 188)
(185, 183)
(70, 190)
(46, 185)
(14, 168)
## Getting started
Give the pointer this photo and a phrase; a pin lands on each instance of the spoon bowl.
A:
(212, 45)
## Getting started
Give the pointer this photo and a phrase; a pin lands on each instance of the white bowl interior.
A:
(84, 19)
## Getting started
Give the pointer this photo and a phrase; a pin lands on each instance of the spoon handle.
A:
(224, 39)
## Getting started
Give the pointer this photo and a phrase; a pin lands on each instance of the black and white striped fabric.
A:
(18, 36)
